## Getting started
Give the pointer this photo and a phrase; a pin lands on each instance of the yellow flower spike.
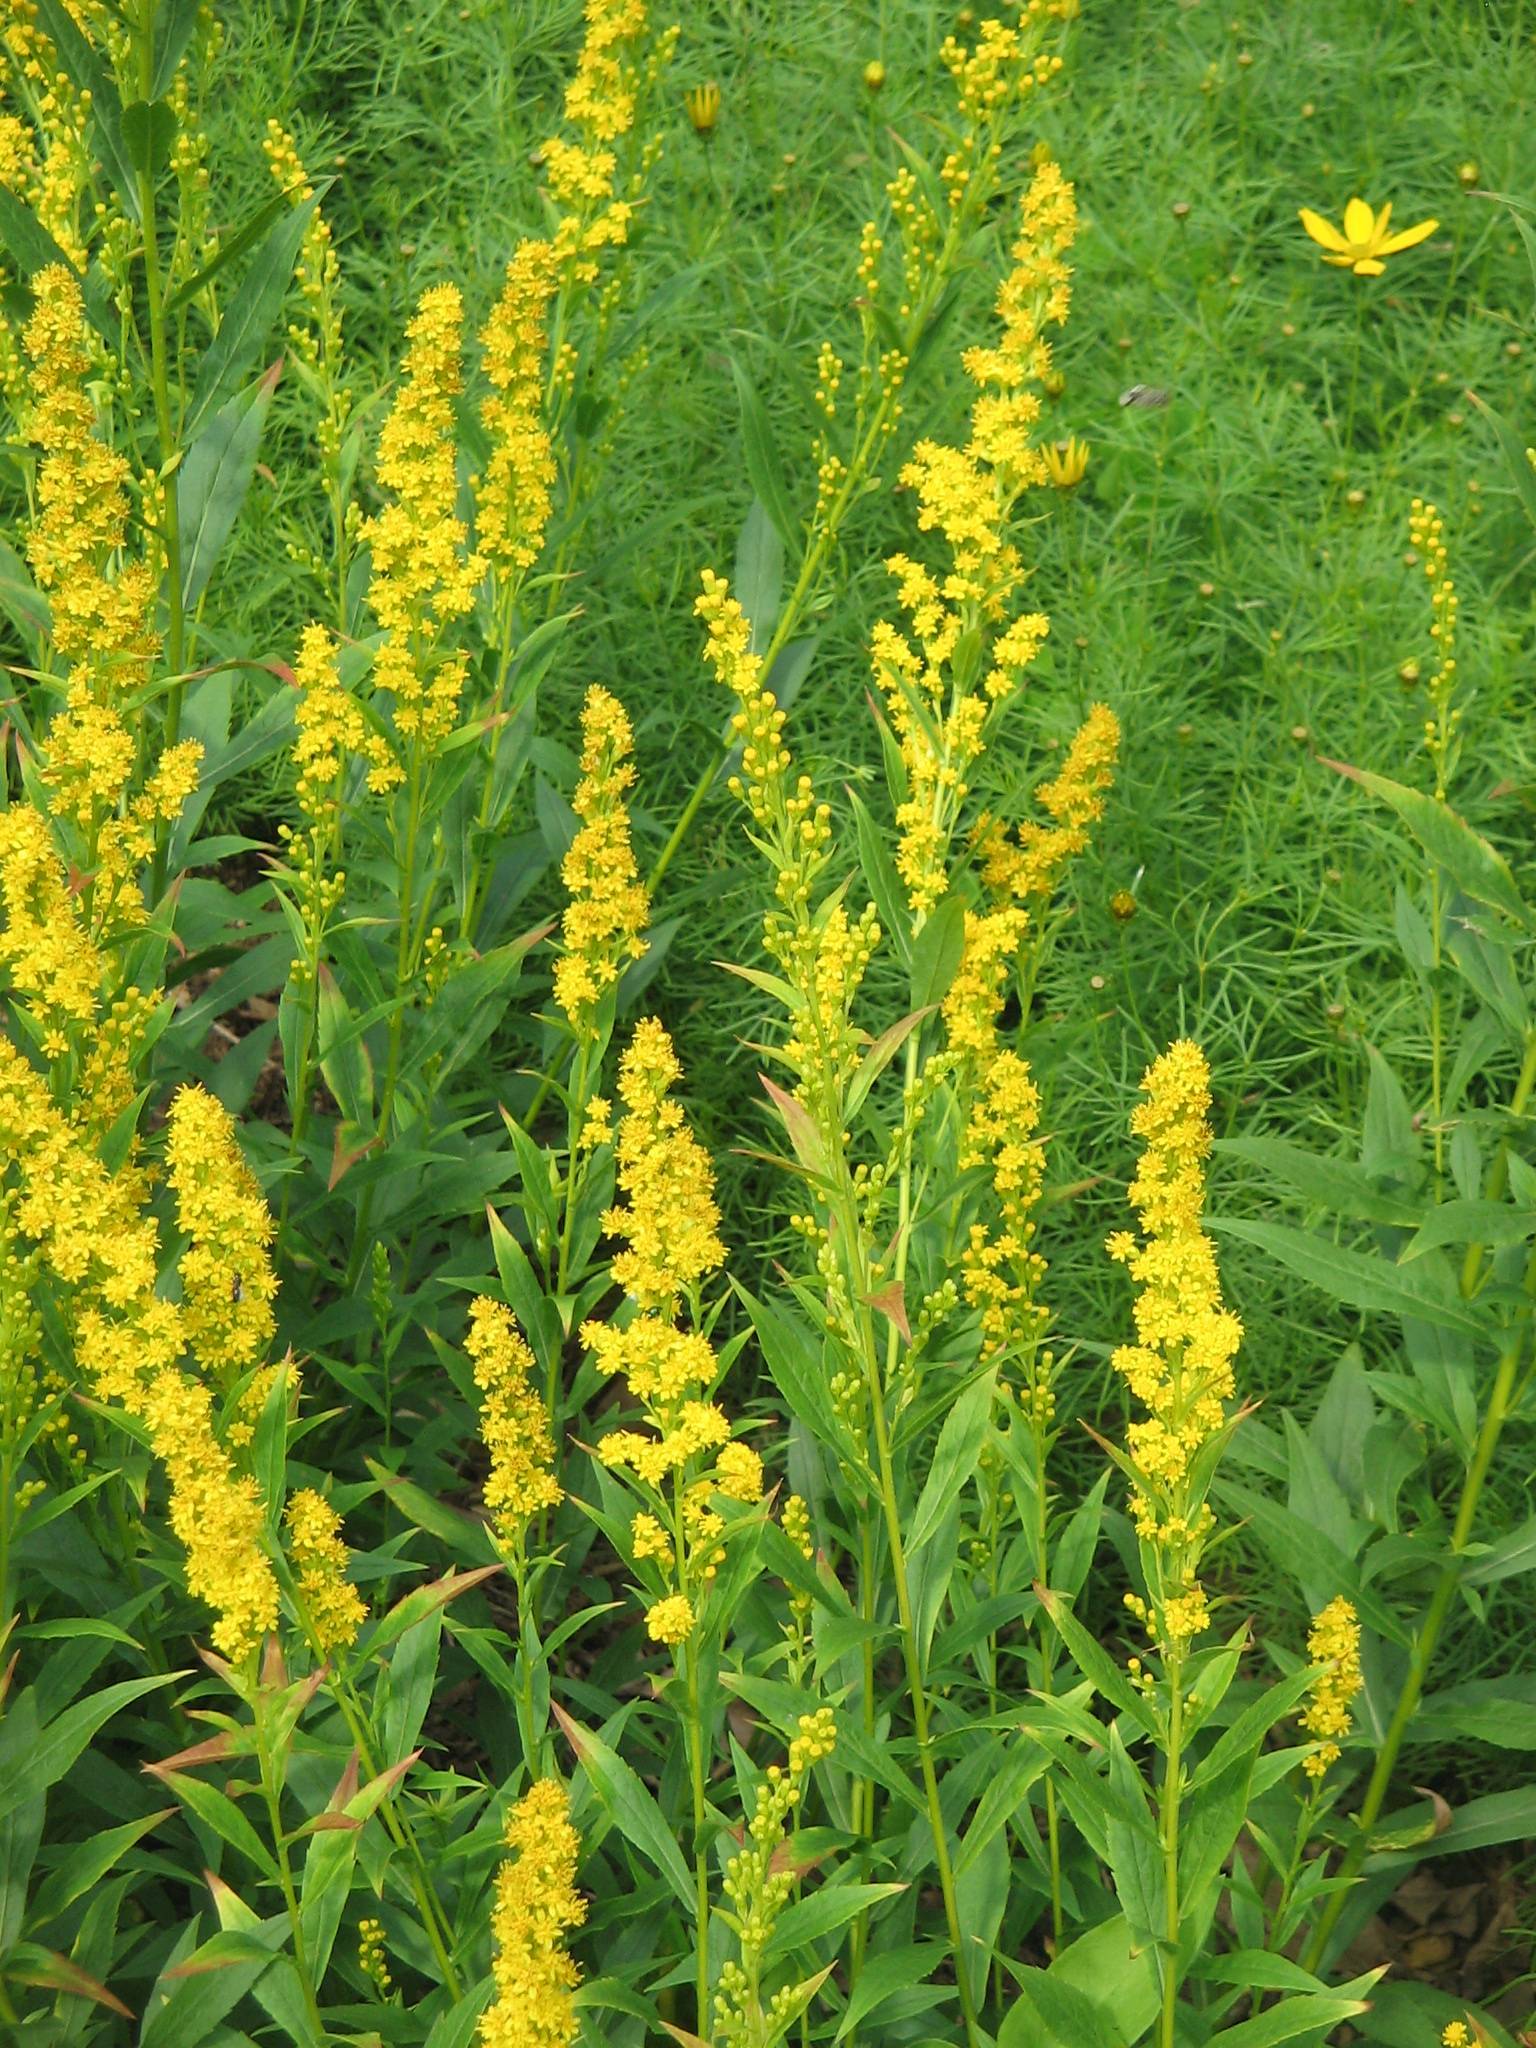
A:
(536, 1901)
(332, 1607)
(1333, 1641)
(1067, 462)
(1364, 240)
(513, 1424)
(703, 105)
(227, 1282)
(608, 908)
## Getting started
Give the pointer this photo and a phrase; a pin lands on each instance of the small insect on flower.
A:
(703, 105)
(1067, 462)
(1364, 240)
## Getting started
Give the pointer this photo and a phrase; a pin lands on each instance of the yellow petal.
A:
(1369, 267)
(1408, 237)
(1380, 229)
(1322, 231)
(1344, 262)
(1359, 222)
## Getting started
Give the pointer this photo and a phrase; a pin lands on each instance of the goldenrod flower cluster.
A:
(371, 1955)
(928, 672)
(608, 909)
(670, 1227)
(536, 1903)
(332, 1608)
(319, 275)
(1031, 864)
(1426, 531)
(1334, 1642)
(513, 497)
(1180, 1366)
(216, 1514)
(424, 578)
(94, 1241)
(1457, 2034)
(227, 1282)
(1001, 1270)
(82, 490)
(513, 1423)
(49, 168)
(758, 1883)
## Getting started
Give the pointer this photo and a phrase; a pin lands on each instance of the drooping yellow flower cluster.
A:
(1180, 1366)
(102, 607)
(514, 496)
(424, 576)
(513, 1423)
(758, 1883)
(1030, 865)
(48, 165)
(536, 1904)
(1001, 1270)
(227, 1282)
(608, 909)
(1334, 1642)
(670, 1227)
(82, 491)
(929, 673)
(95, 1242)
(215, 1512)
(332, 1608)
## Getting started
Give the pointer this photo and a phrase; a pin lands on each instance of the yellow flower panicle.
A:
(227, 1282)
(1031, 866)
(93, 1239)
(423, 576)
(1334, 1642)
(609, 908)
(759, 1882)
(514, 496)
(1180, 1366)
(536, 1904)
(513, 1423)
(215, 1513)
(1364, 240)
(668, 1219)
(82, 491)
(47, 953)
(1001, 1270)
(332, 1608)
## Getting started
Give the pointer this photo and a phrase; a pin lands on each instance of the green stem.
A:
(1173, 1790)
(285, 1877)
(912, 1655)
(160, 384)
(1428, 1636)
(700, 1854)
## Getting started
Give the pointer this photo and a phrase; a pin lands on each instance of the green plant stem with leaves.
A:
(1168, 1832)
(1427, 1636)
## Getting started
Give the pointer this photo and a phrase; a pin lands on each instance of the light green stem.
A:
(1173, 1792)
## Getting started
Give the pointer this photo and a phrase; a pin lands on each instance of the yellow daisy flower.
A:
(1364, 240)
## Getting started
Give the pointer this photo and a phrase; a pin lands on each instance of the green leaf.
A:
(1358, 1279)
(213, 480)
(231, 251)
(344, 1057)
(885, 886)
(31, 246)
(174, 23)
(759, 575)
(1117, 1972)
(149, 129)
(1512, 444)
(1491, 1224)
(1095, 1663)
(1313, 2012)
(1341, 1186)
(936, 954)
(44, 1761)
(792, 1353)
(882, 1976)
(630, 1807)
(765, 467)
(955, 1457)
(1047, 2012)
(808, 1920)
(251, 313)
(1472, 864)
(1506, 1559)
(1500, 1711)
(219, 1812)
